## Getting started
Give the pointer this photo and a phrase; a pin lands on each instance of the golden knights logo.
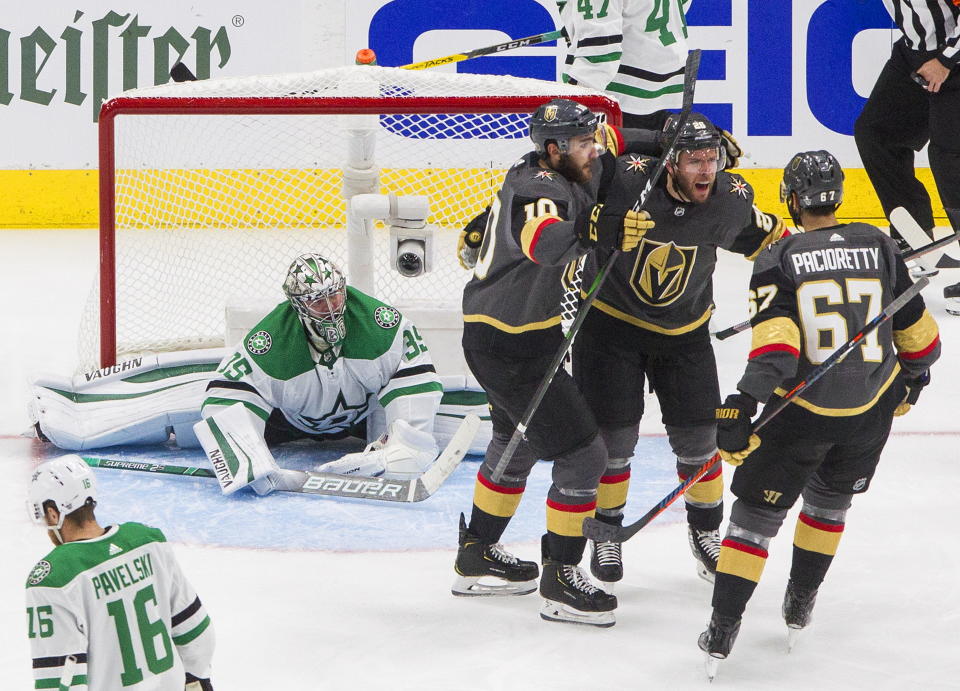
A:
(550, 113)
(661, 271)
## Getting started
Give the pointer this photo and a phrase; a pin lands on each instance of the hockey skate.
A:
(952, 294)
(705, 545)
(717, 640)
(606, 563)
(797, 609)
(477, 559)
(569, 596)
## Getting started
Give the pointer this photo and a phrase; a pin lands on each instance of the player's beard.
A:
(573, 171)
(696, 189)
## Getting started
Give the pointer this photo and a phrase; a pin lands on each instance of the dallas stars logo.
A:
(259, 343)
(342, 416)
(386, 317)
(39, 572)
(543, 175)
(738, 186)
(637, 164)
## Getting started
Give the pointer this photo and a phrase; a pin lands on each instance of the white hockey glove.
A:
(403, 452)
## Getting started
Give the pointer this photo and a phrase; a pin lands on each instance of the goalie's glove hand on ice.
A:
(732, 148)
(614, 228)
(914, 387)
(403, 452)
(735, 438)
(194, 684)
(471, 237)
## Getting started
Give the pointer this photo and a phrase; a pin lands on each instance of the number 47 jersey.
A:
(810, 293)
(121, 608)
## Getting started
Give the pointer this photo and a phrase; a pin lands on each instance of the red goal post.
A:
(209, 164)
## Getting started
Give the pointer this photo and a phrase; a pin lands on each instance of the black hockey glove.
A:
(735, 438)
(192, 683)
(471, 237)
(614, 228)
(914, 387)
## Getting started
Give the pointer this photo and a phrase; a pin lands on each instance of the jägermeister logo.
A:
(90, 50)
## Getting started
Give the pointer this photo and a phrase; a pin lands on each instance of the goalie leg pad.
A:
(404, 452)
(233, 441)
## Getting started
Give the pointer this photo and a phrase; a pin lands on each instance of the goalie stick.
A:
(599, 531)
(334, 485)
(689, 83)
(724, 334)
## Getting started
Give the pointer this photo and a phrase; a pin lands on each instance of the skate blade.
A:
(557, 611)
(705, 573)
(711, 664)
(793, 634)
(470, 586)
(609, 587)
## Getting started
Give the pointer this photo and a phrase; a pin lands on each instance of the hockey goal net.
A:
(209, 189)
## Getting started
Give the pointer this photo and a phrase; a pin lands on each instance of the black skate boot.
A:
(569, 596)
(705, 545)
(797, 610)
(717, 640)
(606, 562)
(477, 559)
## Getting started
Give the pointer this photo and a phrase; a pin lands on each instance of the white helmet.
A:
(66, 481)
(317, 290)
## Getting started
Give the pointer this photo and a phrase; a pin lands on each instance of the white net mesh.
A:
(213, 199)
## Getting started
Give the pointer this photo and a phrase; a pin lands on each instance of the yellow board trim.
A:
(842, 412)
(68, 198)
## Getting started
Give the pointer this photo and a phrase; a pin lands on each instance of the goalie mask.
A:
(68, 482)
(560, 120)
(817, 178)
(317, 290)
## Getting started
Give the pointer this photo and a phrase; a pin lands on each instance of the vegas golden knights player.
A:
(650, 322)
(544, 216)
(809, 294)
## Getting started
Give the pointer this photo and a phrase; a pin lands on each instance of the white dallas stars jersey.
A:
(121, 607)
(383, 359)
(633, 49)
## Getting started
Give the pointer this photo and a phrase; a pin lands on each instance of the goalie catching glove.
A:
(914, 387)
(471, 237)
(402, 453)
(614, 228)
(735, 437)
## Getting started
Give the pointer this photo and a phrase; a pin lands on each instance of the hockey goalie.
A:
(327, 363)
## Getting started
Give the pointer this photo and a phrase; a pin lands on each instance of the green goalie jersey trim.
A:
(371, 326)
(66, 562)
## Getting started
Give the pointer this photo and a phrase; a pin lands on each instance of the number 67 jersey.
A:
(809, 294)
(120, 607)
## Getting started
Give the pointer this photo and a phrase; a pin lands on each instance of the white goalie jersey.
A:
(116, 612)
(383, 361)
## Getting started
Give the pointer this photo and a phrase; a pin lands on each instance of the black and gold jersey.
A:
(664, 287)
(809, 294)
(512, 303)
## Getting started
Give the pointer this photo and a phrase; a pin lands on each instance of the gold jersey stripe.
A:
(623, 316)
(510, 329)
(842, 412)
(918, 335)
(777, 330)
(530, 234)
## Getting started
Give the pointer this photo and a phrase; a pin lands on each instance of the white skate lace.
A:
(502, 555)
(609, 553)
(575, 577)
(709, 541)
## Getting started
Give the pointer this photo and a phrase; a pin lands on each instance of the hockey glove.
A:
(735, 439)
(195, 684)
(471, 237)
(914, 387)
(613, 228)
(608, 138)
(732, 148)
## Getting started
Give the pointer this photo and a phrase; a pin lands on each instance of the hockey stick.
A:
(605, 532)
(689, 82)
(724, 334)
(334, 485)
(489, 50)
(917, 238)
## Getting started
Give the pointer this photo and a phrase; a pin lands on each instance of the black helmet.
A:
(697, 133)
(559, 120)
(816, 177)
